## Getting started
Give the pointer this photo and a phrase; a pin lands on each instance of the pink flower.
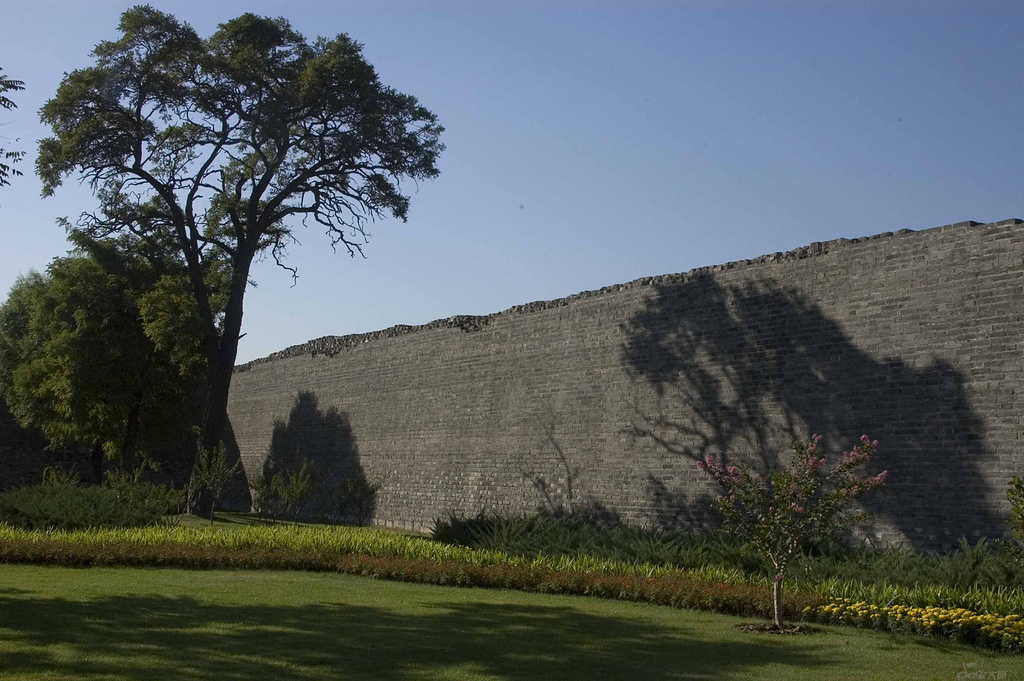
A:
(863, 438)
(798, 508)
(731, 470)
(700, 465)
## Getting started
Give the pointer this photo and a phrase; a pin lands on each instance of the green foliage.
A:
(975, 576)
(779, 513)
(9, 158)
(1015, 494)
(211, 475)
(353, 498)
(298, 488)
(54, 476)
(152, 499)
(60, 503)
(266, 494)
(390, 555)
(84, 359)
(283, 492)
(216, 146)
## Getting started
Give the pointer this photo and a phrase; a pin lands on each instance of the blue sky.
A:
(592, 143)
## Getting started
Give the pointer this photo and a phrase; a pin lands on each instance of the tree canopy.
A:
(101, 349)
(221, 146)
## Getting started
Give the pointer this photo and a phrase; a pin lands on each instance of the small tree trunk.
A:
(130, 443)
(96, 459)
(213, 505)
(777, 598)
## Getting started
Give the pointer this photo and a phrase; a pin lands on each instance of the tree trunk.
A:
(777, 599)
(219, 376)
(96, 460)
(130, 444)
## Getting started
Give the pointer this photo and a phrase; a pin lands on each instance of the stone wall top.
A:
(332, 345)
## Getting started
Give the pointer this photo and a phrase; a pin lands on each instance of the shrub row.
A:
(68, 506)
(983, 564)
(673, 588)
(990, 630)
(341, 539)
(389, 555)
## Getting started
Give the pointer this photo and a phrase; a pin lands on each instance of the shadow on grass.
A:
(168, 638)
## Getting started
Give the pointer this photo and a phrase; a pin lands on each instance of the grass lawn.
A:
(120, 623)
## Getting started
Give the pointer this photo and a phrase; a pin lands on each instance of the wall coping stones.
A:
(332, 345)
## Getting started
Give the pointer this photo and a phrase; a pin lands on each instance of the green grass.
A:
(116, 623)
(232, 520)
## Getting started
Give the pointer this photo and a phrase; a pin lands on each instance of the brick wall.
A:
(602, 401)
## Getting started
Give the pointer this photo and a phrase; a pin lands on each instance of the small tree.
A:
(265, 492)
(211, 474)
(778, 513)
(298, 488)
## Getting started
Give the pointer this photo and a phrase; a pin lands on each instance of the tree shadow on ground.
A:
(325, 439)
(739, 372)
(152, 637)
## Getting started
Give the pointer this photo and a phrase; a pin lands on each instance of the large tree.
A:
(102, 349)
(9, 158)
(221, 144)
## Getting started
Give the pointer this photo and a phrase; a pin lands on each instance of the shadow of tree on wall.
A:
(558, 491)
(236, 495)
(740, 371)
(325, 439)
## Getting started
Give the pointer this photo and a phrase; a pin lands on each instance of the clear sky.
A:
(592, 143)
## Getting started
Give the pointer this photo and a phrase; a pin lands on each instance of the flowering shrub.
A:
(1004, 632)
(778, 513)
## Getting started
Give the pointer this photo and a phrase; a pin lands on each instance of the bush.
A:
(984, 564)
(266, 494)
(61, 503)
(70, 507)
(150, 500)
(283, 492)
(210, 475)
(353, 499)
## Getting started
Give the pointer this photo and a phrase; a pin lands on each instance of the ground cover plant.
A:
(393, 556)
(994, 631)
(115, 623)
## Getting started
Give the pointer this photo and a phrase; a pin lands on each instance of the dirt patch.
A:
(770, 628)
